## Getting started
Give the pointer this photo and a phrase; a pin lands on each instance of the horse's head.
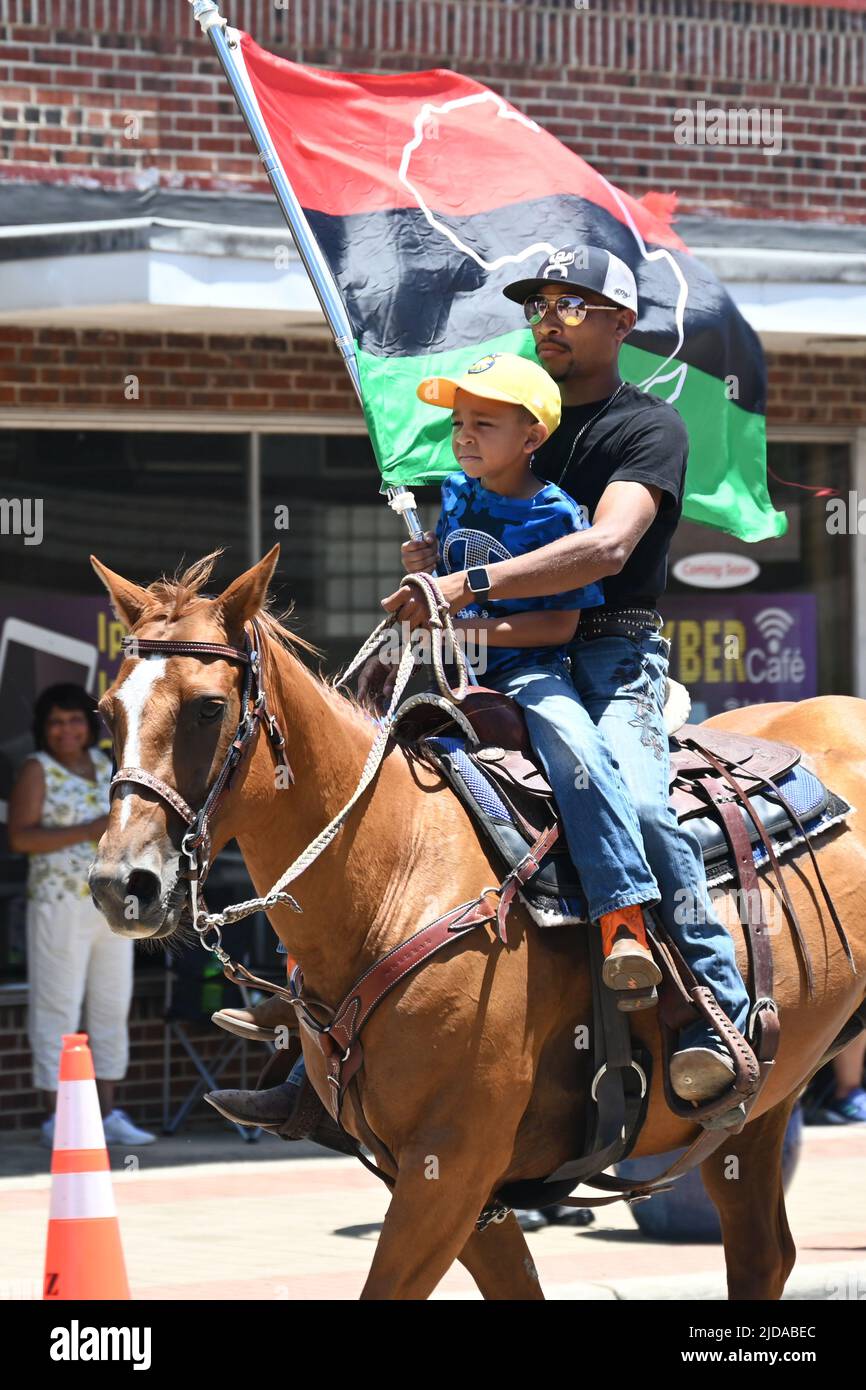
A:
(173, 717)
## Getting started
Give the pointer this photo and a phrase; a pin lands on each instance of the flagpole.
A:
(214, 25)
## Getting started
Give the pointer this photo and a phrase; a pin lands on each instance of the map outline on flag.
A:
(542, 247)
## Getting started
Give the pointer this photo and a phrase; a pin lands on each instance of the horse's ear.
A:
(128, 600)
(246, 594)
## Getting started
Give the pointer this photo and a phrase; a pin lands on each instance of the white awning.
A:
(170, 277)
(796, 301)
(155, 274)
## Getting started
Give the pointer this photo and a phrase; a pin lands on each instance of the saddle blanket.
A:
(554, 896)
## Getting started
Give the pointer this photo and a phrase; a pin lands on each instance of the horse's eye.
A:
(211, 710)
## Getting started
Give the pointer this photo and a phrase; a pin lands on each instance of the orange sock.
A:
(623, 921)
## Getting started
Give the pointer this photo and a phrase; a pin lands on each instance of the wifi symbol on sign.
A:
(773, 623)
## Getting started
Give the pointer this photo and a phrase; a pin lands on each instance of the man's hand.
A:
(419, 556)
(408, 606)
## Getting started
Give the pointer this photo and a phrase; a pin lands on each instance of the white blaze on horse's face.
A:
(134, 878)
(134, 695)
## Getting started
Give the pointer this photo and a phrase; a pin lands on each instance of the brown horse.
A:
(470, 1078)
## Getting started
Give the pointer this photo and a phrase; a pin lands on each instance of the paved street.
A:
(205, 1216)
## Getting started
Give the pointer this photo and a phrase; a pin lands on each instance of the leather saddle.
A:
(726, 784)
(495, 730)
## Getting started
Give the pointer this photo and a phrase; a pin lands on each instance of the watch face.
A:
(478, 580)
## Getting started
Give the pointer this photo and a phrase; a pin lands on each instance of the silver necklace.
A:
(583, 429)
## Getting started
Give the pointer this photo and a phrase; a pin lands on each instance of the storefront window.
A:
(770, 620)
(141, 502)
(340, 541)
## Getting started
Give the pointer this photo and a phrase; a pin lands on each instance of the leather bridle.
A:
(255, 713)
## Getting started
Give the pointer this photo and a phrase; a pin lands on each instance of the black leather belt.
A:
(621, 621)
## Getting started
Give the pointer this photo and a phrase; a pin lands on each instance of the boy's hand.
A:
(419, 556)
(409, 607)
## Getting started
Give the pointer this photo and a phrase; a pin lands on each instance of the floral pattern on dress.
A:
(69, 800)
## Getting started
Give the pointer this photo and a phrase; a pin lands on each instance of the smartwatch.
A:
(479, 582)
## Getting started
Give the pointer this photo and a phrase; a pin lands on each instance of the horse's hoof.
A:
(700, 1073)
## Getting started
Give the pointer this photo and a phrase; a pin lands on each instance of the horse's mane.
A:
(181, 596)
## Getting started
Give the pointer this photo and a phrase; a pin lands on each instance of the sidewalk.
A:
(254, 1223)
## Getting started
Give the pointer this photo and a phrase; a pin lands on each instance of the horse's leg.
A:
(437, 1198)
(744, 1180)
(499, 1261)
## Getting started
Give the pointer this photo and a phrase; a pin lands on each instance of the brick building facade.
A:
(604, 78)
(121, 148)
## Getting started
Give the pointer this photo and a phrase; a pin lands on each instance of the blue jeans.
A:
(600, 824)
(621, 683)
(619, 686)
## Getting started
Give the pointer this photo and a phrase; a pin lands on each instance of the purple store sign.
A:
(742, 649)
(44, 641)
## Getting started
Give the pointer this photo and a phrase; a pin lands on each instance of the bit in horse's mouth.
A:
(177, 917)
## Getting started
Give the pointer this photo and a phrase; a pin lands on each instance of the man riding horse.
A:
(622, 455)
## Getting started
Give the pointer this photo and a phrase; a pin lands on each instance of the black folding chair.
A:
(195, 988)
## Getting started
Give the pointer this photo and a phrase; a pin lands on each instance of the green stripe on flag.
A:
(411, 439)
(726, 479)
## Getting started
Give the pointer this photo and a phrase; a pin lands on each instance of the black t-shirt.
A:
(637, 439)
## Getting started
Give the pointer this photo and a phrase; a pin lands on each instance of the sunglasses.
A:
(570, 308)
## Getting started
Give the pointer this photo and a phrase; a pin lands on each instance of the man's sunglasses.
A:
(571, 309)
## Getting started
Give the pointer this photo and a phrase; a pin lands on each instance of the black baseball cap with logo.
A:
(582, 268)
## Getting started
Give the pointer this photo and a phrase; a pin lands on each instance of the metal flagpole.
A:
(212, 23)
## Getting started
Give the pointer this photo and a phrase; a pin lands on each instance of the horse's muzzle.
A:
(133, 899)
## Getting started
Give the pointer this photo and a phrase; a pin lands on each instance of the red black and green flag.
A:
(428, 193)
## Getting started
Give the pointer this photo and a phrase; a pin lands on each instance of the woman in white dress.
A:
(57, 812)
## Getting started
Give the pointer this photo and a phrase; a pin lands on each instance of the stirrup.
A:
(633, 1000)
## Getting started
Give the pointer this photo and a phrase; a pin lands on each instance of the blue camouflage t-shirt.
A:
(479, 527)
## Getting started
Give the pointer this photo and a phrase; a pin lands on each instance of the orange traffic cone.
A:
(84, 1259)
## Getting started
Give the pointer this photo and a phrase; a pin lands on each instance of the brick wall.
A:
(141, 1092)
(131, 95)
(804, 390)
(68, 368)
(65, 367)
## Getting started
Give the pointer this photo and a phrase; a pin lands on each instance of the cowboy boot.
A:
(291, 1110)
(260, 1023)
(628, 964)
(268, 1109)
(701, 1073)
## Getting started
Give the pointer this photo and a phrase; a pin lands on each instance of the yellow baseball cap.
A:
(500, 376)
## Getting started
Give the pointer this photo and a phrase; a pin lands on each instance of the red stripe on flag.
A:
(343, 137)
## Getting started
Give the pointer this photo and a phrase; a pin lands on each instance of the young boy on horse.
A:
(503, 409)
